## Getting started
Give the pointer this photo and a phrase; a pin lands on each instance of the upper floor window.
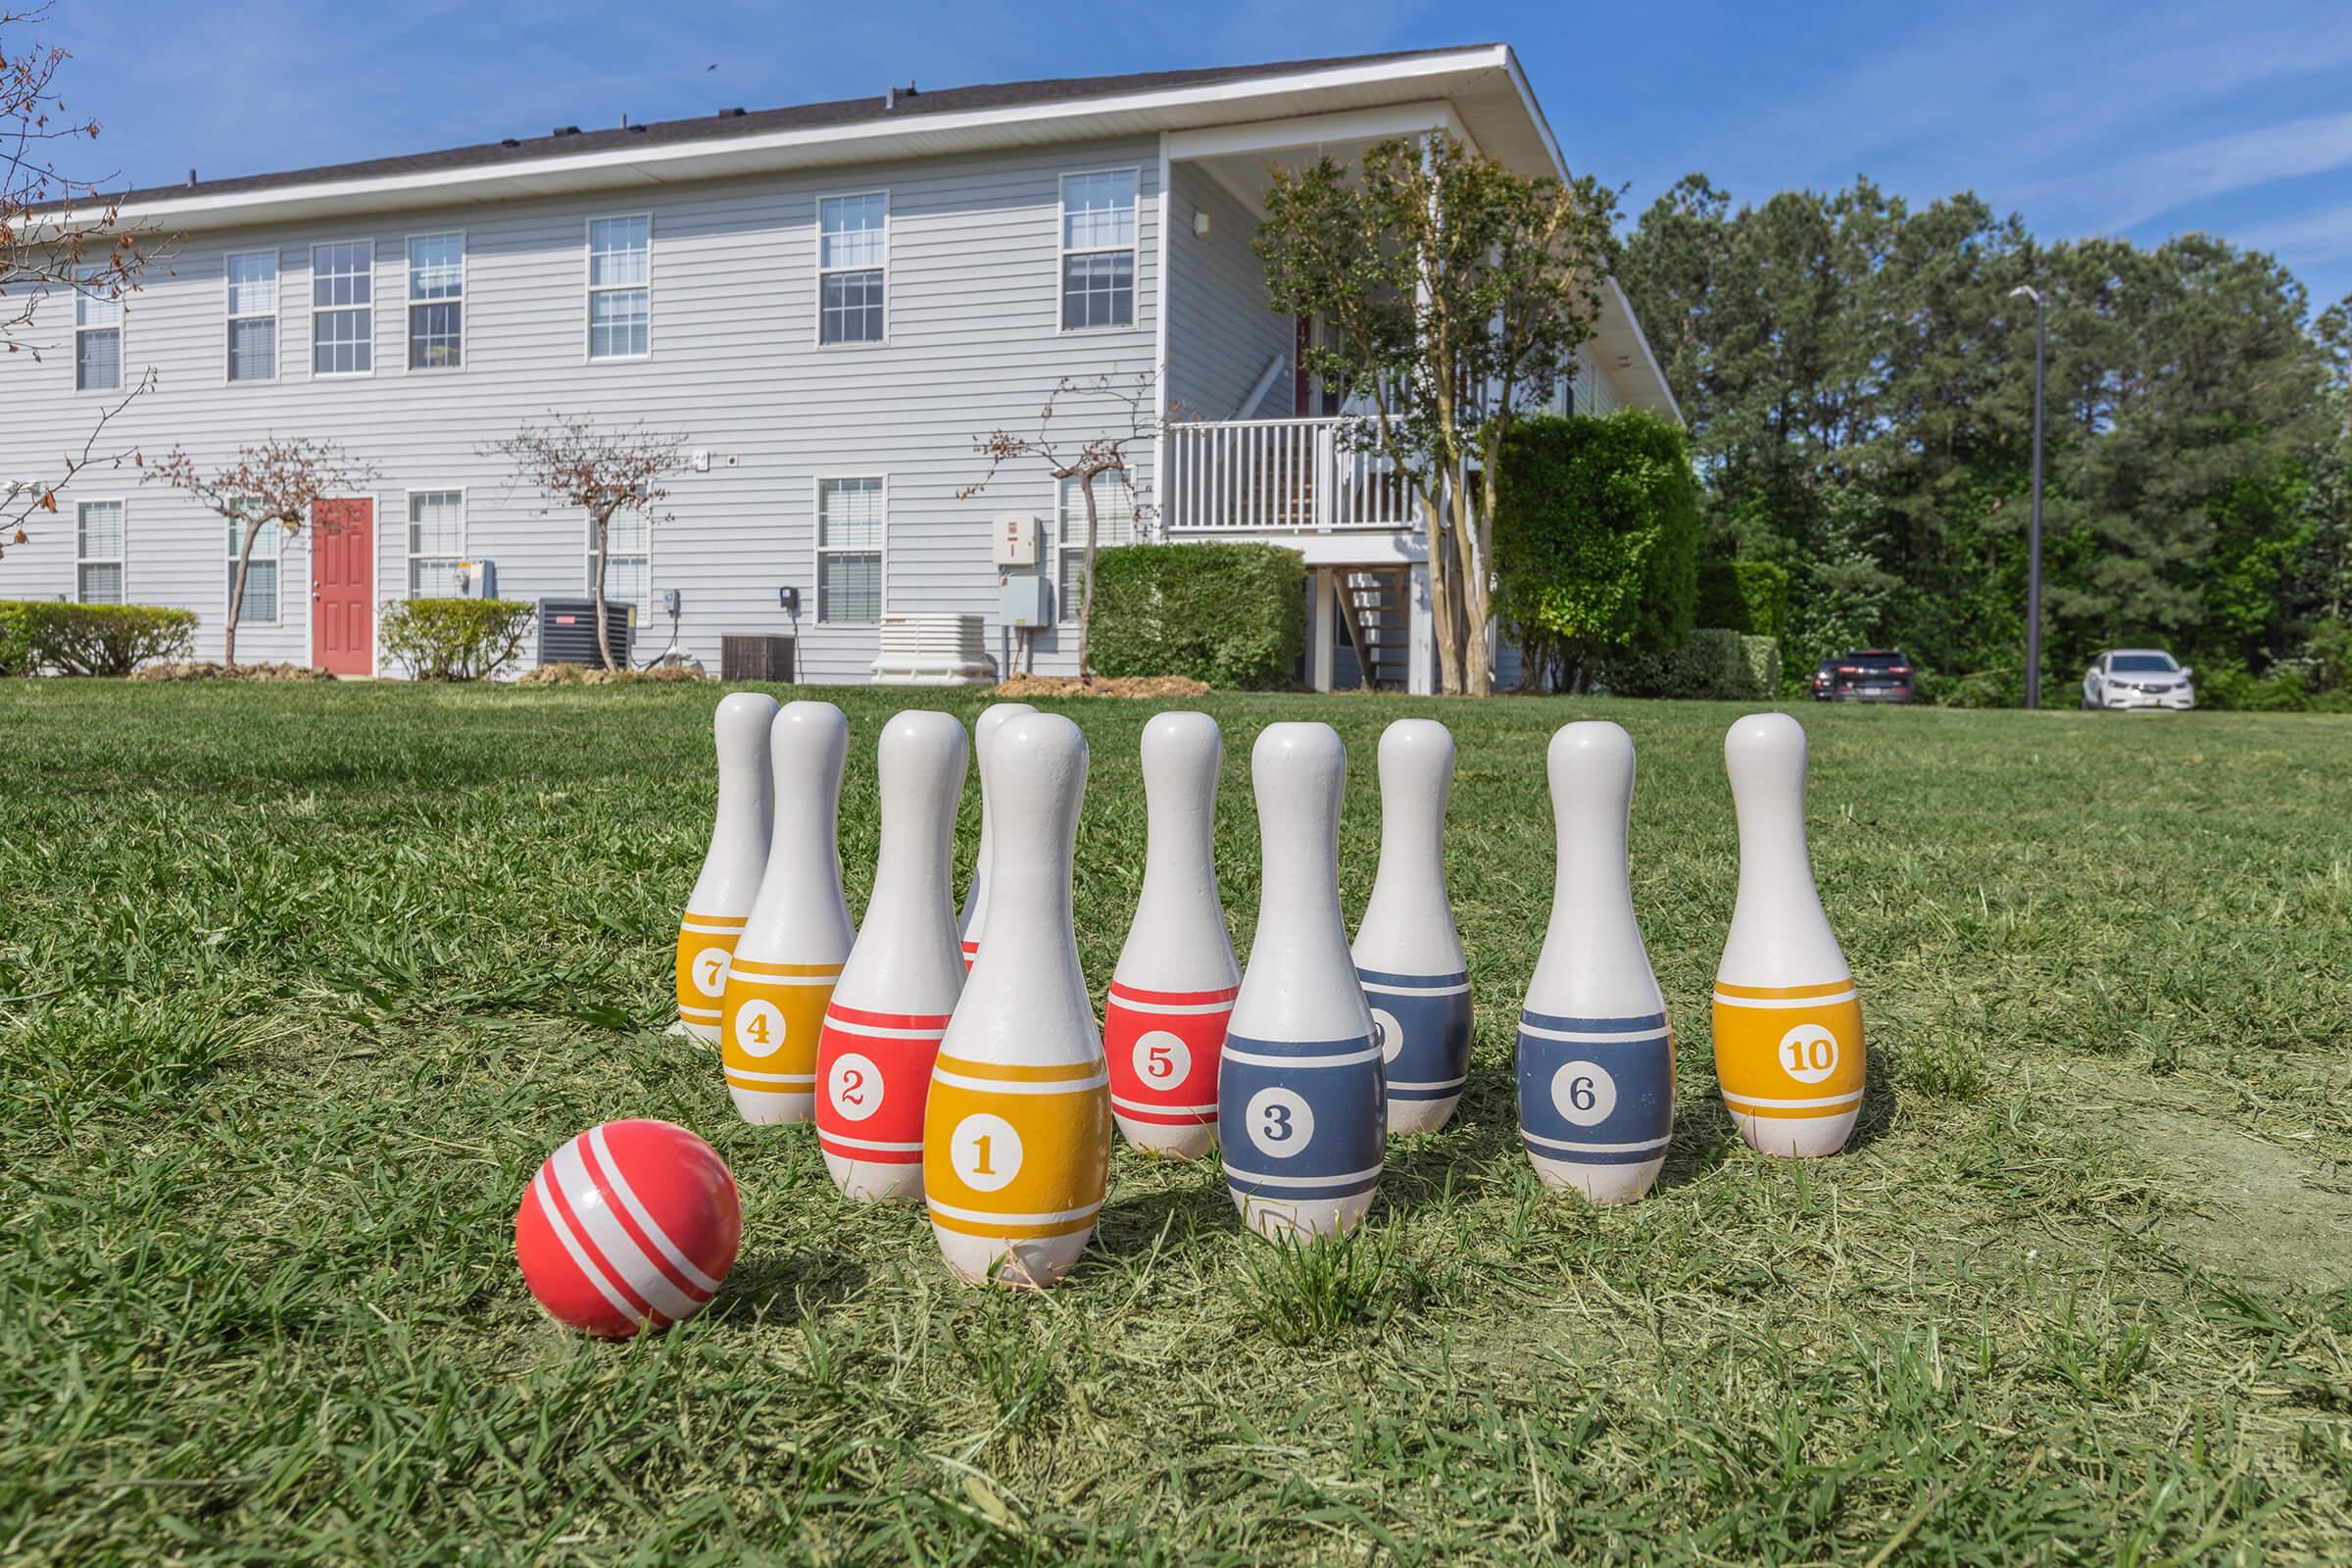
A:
(436, 301)
(437, 542)
(1115, 525)
(1097, 249)
(852, 255)
(98, 553)
(253, 317)
(849, 527)
(343, 309)
(97, 340)
(620, 275)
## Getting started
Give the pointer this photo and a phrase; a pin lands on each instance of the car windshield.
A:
(2143, 664)
(1877, 660)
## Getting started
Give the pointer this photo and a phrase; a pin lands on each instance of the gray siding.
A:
(973, 297)
(1220, 332)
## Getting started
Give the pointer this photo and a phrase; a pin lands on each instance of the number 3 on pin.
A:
(1281, 1122)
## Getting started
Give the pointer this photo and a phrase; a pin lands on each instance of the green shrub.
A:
(454, 639)
(90, 639)
(1596, 540)
(1747, 596)
(1231, 615)
(1713, 663)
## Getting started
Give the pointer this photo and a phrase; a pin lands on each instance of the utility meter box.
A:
(1017, 539)
(1024, 600)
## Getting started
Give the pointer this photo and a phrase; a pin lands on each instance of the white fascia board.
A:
(1313, 130)
(1623, 308)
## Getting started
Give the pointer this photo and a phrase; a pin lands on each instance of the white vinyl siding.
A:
(436, 301)
(621, 293)
(251, 277)
(630, 578)
(1115, 525)
(852, 261)
(437, 542)
(98, 553)
(850, 527)
(261, 574)
(1099, 249)
(97, 341)
(343, 308)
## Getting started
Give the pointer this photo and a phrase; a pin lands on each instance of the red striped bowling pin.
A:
(799, 931)
(883, 1027)
(1788, 1023)
(1408, 954)
(975, 895)
(1164, 1022)
(722, 895)
(631, 1225)
(1016, 1135)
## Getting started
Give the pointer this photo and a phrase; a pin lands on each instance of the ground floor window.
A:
(437, 542)
(850, 528)
(1115, 525)
(98, 554)
(629, 575)
(259, 608)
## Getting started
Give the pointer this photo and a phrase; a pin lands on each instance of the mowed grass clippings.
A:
(298, 985)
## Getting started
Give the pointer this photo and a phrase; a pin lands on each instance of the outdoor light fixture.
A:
(1200, 223)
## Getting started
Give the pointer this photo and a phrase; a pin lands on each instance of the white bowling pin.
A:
(892, 1003)
(1596, 1055)
(722, 895)
(1017, 1134)
(975, 894)
(1788, 1023)
(783, 970)
(1163, 1023)
(1301, 1107)
(1406, 951)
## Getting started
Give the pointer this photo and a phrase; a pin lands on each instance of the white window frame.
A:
(1065, 496)
(230, 318)
(311, 282)
(120, 327)
(589, 289)
(818, 549)
(645, 608)
(410, 303)
(822, 271)
(119, 561)
(408, 537)
(1062, 250)
(229, 577)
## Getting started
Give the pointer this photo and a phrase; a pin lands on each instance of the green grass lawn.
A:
(298, 985)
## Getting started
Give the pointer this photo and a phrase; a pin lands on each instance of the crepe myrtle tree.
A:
(1116, 418)
(1453, 294)
(58, 236)
(281, 482)
(605, 472)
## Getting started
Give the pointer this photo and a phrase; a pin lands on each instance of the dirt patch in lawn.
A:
(1103, 686)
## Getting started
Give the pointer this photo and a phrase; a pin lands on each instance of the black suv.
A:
(1871, 675)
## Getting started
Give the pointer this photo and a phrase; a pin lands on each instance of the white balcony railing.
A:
(1280, 476)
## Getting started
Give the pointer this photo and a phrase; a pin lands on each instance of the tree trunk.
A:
(1440, 596)
(1474, 535)
(604, 637)
(236, 591)
(1086, 599)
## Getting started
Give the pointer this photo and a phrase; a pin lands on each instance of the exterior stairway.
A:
(1376, 621)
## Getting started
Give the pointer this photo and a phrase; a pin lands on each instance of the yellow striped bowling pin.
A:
(1016, 1133)
(975, 894)
(798, 935)
(1787, 1025)
(723, 894)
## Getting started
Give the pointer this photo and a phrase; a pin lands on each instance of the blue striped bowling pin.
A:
(974, 913)
(1596, 1056)
(1407, 953)
(1301, 1105)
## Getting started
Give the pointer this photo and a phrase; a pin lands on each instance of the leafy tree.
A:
(1456, 294)
(604, 474)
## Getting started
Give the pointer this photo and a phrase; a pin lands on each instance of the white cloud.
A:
(2134, 189)
(2321, 236)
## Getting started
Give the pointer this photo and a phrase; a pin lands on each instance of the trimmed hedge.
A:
(1231, 615)
(1713, 663)
(455, 639)
(1746, 596)
(89, 639)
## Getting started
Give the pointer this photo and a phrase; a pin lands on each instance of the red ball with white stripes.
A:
(631, 1225)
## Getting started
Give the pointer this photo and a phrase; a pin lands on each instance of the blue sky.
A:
(2144, 119)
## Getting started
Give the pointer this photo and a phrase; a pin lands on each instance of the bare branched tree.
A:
(1118, 417)
(604, 473)
(57, 236)
(279, 482)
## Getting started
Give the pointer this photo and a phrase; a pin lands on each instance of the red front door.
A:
(343, 586)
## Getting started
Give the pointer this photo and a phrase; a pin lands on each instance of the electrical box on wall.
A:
(1017, 539)
(1024, 602)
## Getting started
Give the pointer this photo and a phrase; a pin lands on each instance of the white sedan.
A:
(2138, 677)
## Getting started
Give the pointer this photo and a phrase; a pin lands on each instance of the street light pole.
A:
(2034, 529)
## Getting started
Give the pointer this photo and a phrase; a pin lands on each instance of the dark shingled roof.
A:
(723, 127)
